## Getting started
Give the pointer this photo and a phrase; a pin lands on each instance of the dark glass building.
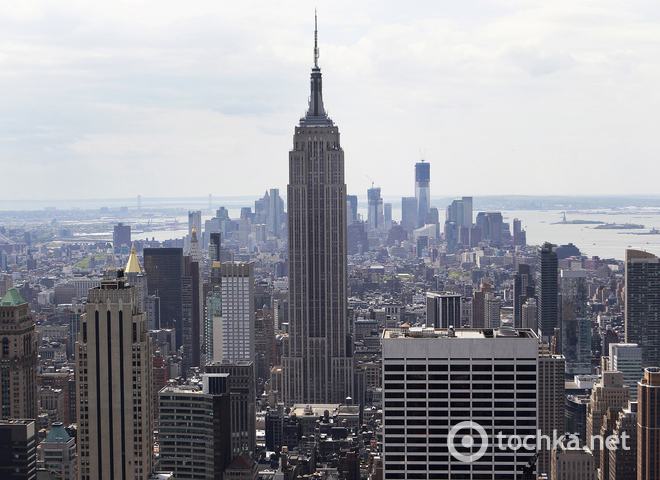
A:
(547, 283)
(164, 267)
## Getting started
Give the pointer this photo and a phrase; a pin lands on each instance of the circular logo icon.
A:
(467, 441)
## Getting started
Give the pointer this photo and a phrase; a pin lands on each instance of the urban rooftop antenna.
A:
(316, 42)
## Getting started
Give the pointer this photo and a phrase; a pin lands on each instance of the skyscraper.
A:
(548, 291)
(642, 314)
(201, 450)
(608, 393)
(18, 450)
(113, 385)
(623, 461)
(375, 215)
(627, 359)
(275, 212)
(242, 404)
(422, 191)
(235, 341)
(18, 358)
(191, 311)
(492, 226)
(443, 310)
(648, 425)
(121, 237)
(550, 401)
(351, 209)
(387, 215)
(435, 379)
(318, 364)
(409, 213)
(164, 267)
(460, 212)
(575, 322)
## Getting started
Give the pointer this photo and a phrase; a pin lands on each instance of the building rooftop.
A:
(12, 298)
(58, 434)
(458, 333)
(133, 264)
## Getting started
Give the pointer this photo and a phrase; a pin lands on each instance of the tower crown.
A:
(316, 114)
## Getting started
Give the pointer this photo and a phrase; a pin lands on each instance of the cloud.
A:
(203, 97)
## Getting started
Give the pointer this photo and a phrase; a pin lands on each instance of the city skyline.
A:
(151, 91)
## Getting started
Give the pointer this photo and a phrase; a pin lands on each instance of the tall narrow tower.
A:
(113, 385)
(422, 191)
(317, 366)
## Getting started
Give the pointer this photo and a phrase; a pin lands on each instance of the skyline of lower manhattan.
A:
(362, 321)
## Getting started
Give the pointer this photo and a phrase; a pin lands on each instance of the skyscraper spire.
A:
(316, 42)
(316, 114)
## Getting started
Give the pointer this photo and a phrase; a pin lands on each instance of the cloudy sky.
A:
(172, 98)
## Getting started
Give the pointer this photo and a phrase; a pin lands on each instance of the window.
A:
(5, 347)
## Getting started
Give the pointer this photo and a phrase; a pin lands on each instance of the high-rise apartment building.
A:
(422, 191)
(648, 425)
(18, 358)
(18, 450)
(443, 310)
(523, 289)
(547, 285)
(642, 306)
(575, 322)
(627, 359)
(436, 379)
(234, 340)
(113, 385)
(164, 268)
(318, 363)
(195, 428)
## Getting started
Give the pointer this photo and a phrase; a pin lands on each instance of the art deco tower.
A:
(318, 366)
(113, 386)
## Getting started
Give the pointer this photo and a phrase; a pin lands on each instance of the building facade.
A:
(435, 379)
(642, 306)
(318, 364)
(113, 385)
(18, 358)
(648, 425)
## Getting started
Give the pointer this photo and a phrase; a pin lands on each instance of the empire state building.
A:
(318, 363)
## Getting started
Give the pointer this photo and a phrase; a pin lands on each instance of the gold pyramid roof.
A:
(133, 264)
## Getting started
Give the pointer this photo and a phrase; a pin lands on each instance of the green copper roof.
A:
(12, 298)
(58, 434)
